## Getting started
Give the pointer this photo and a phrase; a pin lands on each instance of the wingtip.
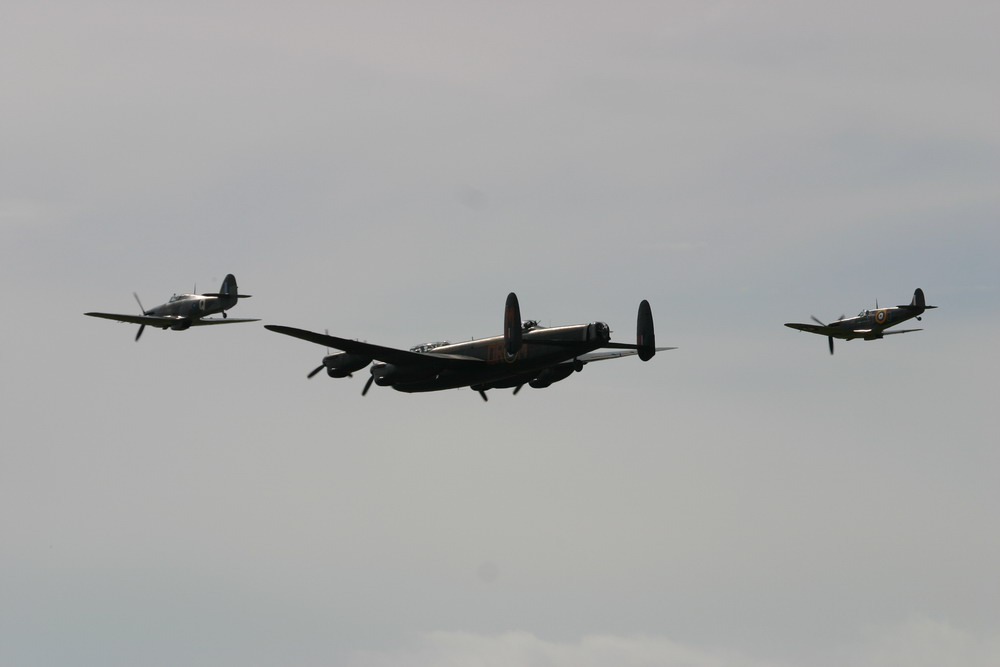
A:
(288, 331)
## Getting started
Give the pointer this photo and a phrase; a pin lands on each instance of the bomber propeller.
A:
(316, 370)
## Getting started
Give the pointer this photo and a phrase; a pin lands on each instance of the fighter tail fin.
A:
(229, 289)
(918, 303)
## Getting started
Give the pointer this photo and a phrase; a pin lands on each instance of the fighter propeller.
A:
(142, 327)
(824, 324)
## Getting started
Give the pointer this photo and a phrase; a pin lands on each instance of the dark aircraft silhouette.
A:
(526, 354)
(869, 324)
(185, 310)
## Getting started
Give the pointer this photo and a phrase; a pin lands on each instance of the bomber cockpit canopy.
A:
(427, 347)
(528, 325)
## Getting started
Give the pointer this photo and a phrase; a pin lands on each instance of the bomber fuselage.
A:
(501, 369)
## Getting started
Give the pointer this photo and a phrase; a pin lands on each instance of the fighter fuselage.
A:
(869, 324)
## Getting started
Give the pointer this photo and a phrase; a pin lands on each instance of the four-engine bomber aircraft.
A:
(869, 324)
(526, 353)
(185, 310)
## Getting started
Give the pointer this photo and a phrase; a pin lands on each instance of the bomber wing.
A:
(389, 355)
(150, 320)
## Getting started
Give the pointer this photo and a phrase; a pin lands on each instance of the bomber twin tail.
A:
(526, 353)
(186, 310)
(868, 324)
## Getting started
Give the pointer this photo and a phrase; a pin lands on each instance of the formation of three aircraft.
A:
(526, 352)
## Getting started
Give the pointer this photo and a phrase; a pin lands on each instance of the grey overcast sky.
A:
(390, 171)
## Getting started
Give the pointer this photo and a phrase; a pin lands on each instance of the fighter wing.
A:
(836, 332)
(219, 320)
(387, 354)
(150, 320)
(601, 356)
(889, 333)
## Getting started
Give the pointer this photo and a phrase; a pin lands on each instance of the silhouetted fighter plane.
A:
(185, 310)
(869, 324)
(526, 354)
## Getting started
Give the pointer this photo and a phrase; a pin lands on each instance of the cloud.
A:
(516, 649)
(925, 642)
(916, 642)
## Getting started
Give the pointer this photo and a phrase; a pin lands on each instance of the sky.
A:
(390, 171)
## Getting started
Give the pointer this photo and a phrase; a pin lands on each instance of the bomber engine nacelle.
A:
(388, 374)
(341, 365)
(551, 375)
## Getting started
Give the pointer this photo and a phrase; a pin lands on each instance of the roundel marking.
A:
(511, 358)
(880, 316)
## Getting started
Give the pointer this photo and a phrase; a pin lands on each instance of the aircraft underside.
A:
(495, 377)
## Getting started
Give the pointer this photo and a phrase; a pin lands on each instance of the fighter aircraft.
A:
(869, 324)
(526, 354)
(185, 310)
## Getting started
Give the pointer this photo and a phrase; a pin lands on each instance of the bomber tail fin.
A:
(512, 333)
(645, 339)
